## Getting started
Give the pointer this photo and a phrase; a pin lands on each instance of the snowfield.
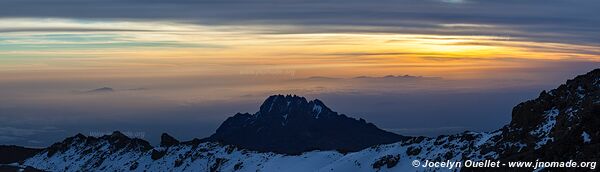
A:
(215, 157)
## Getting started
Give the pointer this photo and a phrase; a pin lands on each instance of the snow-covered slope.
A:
(89, 153)
(559, 125)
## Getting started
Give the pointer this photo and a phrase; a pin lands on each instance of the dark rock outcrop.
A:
(167, 140)
(389, 161)
(560, 124)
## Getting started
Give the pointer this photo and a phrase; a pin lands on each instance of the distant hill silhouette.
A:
(11, 153)
(100, 90)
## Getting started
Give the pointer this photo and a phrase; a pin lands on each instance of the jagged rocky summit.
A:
(292, 125)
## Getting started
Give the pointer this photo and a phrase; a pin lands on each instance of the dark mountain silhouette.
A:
(117, 141)
(291, 124)
(167, 140)
(100, 90)
(11, 153)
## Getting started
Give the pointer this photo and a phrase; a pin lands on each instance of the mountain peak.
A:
(116, 141)
(167, 140)
(291, 124)
(282, 106)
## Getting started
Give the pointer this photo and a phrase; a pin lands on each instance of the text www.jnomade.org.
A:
(499, 164)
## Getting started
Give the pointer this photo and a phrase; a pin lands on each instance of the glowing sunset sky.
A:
(189, 62)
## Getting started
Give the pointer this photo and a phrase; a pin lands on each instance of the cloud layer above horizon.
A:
(548, 20)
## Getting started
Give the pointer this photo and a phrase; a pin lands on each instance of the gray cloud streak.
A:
(550, 20)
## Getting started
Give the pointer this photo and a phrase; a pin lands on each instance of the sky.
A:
(413, 67)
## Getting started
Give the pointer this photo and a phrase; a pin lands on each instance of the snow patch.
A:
(317, 109)
(580, 92)
(284, 122)
(485, 137)
(586, 137)
(543, 131)
(272, 103)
